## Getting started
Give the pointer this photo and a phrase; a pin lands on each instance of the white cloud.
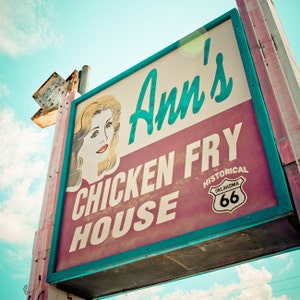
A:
(4, 90)
(288, 260)
(23, 167)
(282, 256)
(252, 284)
(16, 256)
(148, 293)
(180, 294)
(26, 26)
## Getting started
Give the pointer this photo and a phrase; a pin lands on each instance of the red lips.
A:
(102, 149)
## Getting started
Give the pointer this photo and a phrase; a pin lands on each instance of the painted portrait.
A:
(96, 136)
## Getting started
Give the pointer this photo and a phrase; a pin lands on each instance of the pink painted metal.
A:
(195, 203)
(279, 80)
(38, 288)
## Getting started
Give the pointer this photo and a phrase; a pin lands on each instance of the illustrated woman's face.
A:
(96, 143)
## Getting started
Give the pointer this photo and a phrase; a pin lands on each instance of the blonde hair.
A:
(83, 126)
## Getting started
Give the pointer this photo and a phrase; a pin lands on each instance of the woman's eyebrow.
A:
(97, 127)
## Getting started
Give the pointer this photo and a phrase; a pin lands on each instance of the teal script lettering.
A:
(169, 107)
(220, 77)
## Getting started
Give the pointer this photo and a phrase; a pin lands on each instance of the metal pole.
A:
(84, 80)
(38, 288)
(279, 80)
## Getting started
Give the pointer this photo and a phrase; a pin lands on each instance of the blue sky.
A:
(38, 37)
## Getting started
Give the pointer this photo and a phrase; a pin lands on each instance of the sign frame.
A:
(283, 209)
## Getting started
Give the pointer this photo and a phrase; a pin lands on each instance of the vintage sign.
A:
(172, 148)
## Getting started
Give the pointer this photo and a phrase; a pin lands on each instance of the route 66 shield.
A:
(228, 195)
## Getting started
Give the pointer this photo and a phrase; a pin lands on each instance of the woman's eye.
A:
(94, 134)
(108, 124)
